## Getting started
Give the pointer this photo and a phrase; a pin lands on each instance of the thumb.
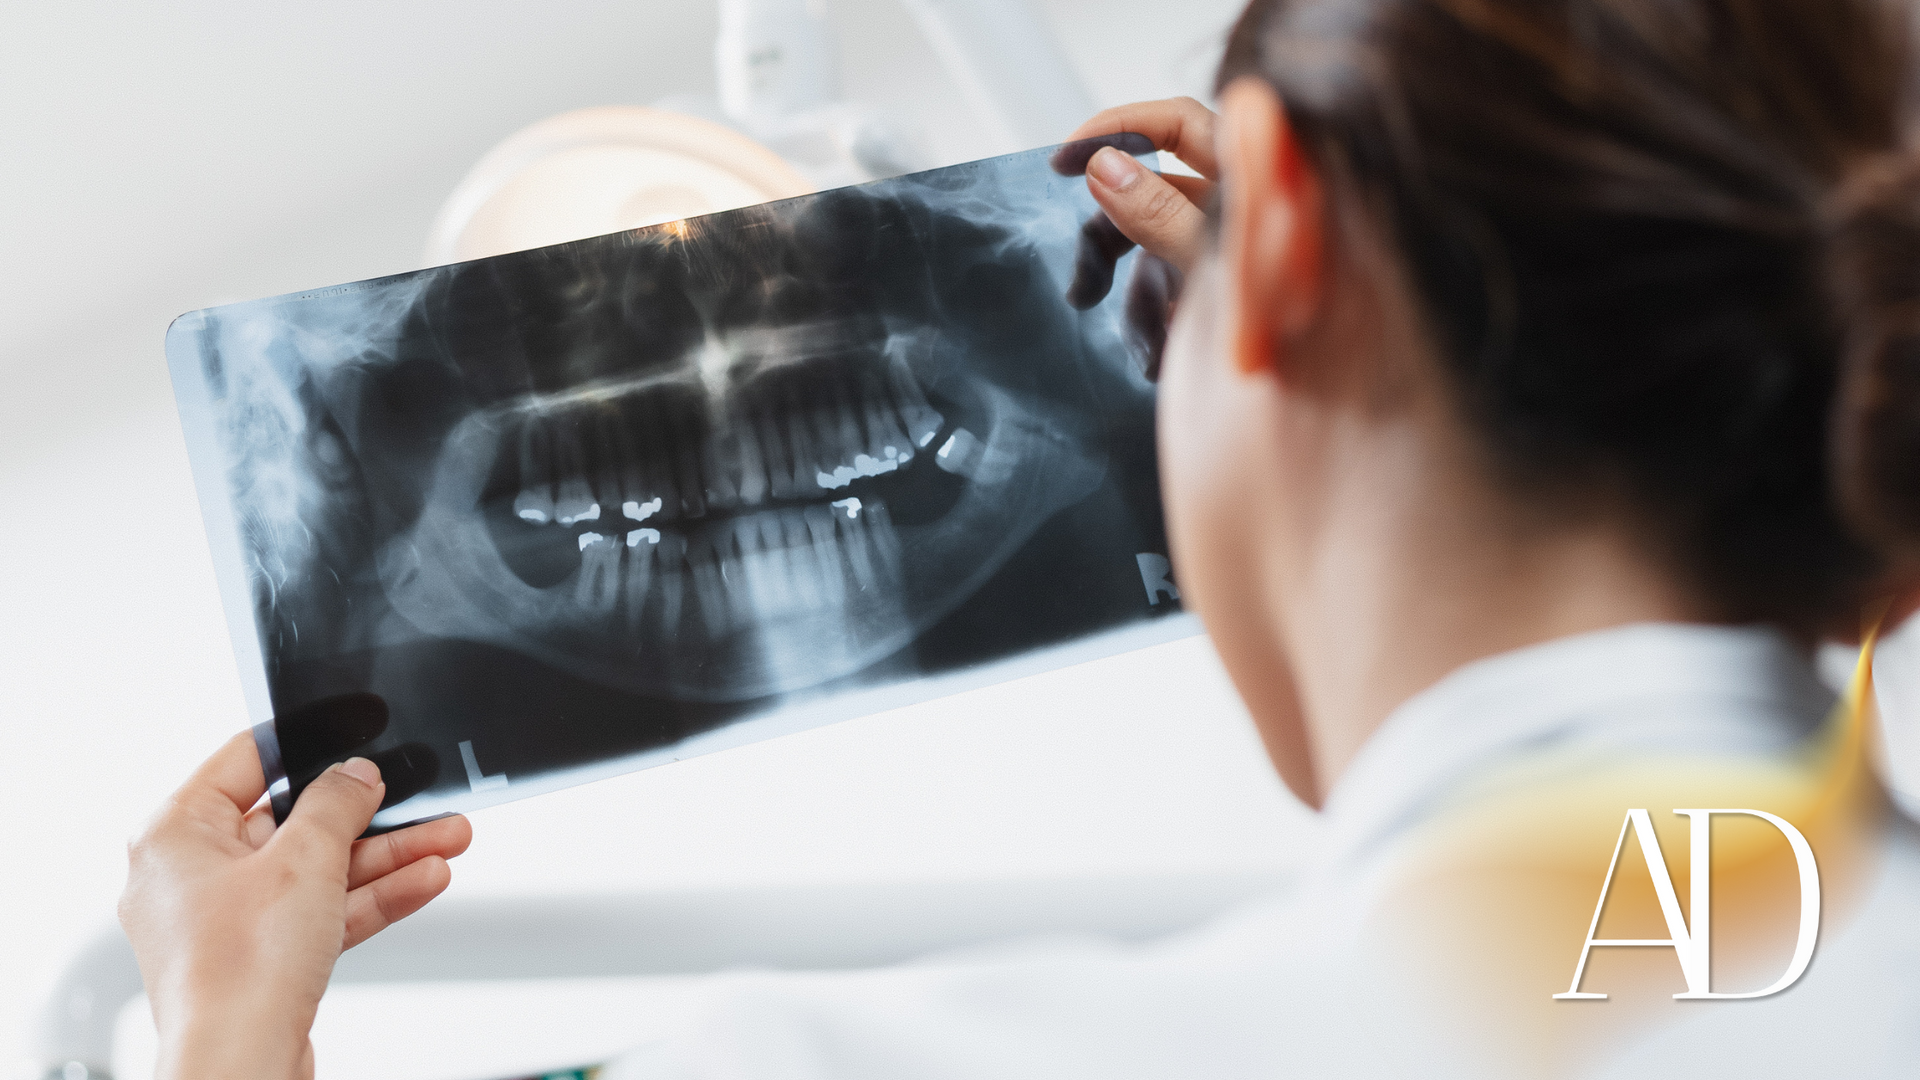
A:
(334, 810)
(1149, 210)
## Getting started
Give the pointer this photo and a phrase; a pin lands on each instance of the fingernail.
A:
(362, 770)
(1114, 169)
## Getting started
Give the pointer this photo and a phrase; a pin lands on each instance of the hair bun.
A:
(1874, 240)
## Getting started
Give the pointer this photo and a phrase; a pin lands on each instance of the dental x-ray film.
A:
(515, 524)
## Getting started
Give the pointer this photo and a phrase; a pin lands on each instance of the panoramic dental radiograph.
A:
(519, 523)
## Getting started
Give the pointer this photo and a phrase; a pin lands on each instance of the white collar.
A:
(1647, 686)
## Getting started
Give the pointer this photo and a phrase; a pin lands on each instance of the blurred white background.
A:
(156, 159)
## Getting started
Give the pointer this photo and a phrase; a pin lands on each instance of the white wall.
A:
(156, 159)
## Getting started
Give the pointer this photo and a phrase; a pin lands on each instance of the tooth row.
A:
(748, 571)
(780, 438)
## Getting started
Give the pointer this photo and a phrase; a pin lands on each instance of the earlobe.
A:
(1272, 227)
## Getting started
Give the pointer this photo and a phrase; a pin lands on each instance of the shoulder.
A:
(1490, 904)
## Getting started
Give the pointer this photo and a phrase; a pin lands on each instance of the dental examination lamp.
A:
(778, 129)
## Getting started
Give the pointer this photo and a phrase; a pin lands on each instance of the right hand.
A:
(1161, 214)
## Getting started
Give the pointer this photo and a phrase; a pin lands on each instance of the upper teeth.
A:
(863, 465)
(658, 454)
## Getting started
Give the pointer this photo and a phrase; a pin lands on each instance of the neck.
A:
(1417, 566)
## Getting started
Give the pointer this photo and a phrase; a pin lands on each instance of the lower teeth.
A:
(755, 569)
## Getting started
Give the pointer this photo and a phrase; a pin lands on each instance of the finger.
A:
(1150, 298)
(257, 827)
(334, 810)
(1147, 209)
(232, 773)
(382, 902)
(1198, 190)
(1101, 246)
(331, 727)
(1070, 159)
(1181, 126)
(377, 856)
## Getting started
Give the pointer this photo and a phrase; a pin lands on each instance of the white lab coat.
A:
(1273, 989)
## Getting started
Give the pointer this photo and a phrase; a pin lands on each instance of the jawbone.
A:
(759, 603)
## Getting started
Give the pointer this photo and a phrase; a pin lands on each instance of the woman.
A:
(1542, 389)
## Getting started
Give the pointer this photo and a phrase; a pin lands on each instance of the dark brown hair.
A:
(1666, 248)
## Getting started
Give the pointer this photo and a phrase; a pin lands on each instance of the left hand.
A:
(237, 924)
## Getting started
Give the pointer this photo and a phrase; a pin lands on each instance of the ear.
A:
(1273, 227)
